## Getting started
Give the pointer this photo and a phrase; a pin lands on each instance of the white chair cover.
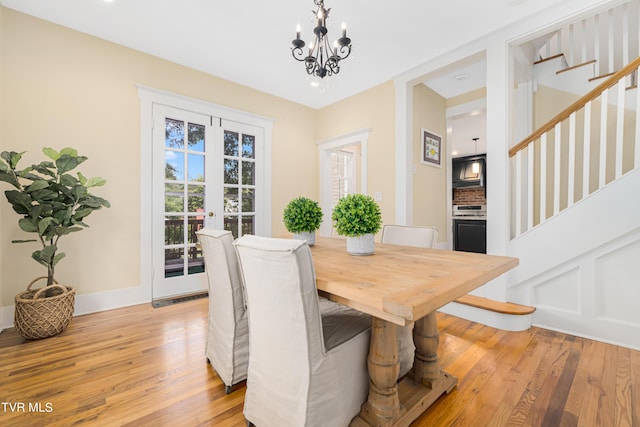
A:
(424, 237)
(307, 358)
(228, 335)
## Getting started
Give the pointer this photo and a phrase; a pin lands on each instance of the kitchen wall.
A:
(469, 196)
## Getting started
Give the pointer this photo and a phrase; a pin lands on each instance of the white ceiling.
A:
(249, 41)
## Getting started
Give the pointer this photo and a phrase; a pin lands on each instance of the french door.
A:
(205, 174)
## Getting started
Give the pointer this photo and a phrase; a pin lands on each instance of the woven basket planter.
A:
(38, 316)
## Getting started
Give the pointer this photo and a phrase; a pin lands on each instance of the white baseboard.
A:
(92, 303)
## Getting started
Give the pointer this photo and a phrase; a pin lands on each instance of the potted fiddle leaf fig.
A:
(51, 202)
(358, 217)
(302, 217)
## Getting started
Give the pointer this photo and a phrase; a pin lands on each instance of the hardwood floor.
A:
(140, 366)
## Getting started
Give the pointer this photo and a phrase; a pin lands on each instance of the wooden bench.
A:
(497, 306)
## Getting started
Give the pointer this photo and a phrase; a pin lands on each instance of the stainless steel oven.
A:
(470, 228)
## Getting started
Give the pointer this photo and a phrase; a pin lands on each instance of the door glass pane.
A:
(248, 173)
(248, 224)
(248, 146)
(195, 166)
(230, 200)
(195, 201)
(173, 262)
(196, 137)
(174, 165)
(248, 200)
(173, 197)
(174, 133)
(230, 143)
(230, 171)
(173, 230)
(195, 224)
(231, 224)
(196, 261)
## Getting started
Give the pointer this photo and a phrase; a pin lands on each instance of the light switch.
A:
(377, 196)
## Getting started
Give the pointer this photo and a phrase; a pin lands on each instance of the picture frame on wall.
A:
(431, 148)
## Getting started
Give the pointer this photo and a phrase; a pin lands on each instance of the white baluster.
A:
(611, 50)
(586, 150)
(556, 168)
(543, 178)
(596, 44)
(620, 126)
(583, 39)
(636, 162)
(604, 101)
(530, 177)
(572, 160)
(518, 200)
(569, 50)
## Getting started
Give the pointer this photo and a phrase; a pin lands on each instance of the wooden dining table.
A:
(401, 285)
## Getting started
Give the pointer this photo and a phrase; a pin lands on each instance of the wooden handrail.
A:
(593, 94)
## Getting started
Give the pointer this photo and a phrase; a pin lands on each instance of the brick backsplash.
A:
(469, 196)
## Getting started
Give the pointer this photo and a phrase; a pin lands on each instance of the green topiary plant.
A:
(50, 201)
(302, 215)
(356, 215)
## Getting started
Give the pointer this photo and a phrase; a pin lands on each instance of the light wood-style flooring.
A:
(140, 366)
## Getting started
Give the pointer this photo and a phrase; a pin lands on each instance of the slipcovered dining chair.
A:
(423, 237)
(228, 332)
(308, 355)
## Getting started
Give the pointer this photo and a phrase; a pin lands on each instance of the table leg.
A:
(383, 405)
(426, 369)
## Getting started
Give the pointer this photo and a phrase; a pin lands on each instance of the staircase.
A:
(575, 217)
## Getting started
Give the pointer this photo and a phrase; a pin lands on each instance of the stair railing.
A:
(609, 38)
(577, 152)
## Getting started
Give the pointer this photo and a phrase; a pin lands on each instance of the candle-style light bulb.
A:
(298, 32)
(335, 47)
(344, 30)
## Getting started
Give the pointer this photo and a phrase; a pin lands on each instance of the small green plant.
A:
(51, 201)
(356, 214)
(302, 215)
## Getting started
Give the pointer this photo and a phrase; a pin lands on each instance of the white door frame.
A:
(359, 137)
(150, 96)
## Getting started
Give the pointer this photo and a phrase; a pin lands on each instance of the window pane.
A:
(230, 171)
(173, 165)
(248, 200)
(230, 200)
(230, 143)
(195, 223)
(195, 201)
(248, 146)
(173, 262)
(196, 261)
(248, 224)
(248, 173)
(174, 133)
(231, 224)
(173, 197)
(173, 230)
(195, 167)
(196, 137)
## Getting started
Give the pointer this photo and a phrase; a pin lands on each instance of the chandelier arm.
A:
(298, 54)
(344, 51)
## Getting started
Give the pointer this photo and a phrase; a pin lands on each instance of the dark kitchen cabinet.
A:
(470, 235)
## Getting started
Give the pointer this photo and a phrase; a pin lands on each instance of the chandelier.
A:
(322, 59)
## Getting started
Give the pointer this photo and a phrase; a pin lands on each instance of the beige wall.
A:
(474, 95)
(63, 88)
(373, 109)
(429, 182)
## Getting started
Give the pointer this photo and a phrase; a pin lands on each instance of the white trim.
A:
(150, 96)
(359, 137)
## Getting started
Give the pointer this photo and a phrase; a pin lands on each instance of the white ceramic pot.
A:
(309, 236)
(361, 245)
